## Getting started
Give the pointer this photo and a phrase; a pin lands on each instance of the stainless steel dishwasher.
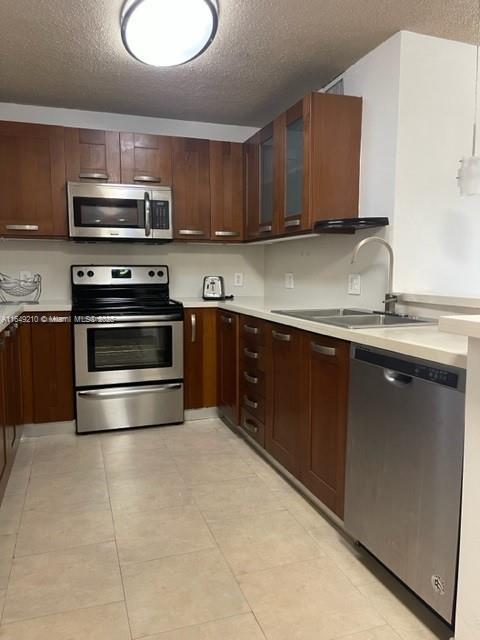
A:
(404, 468)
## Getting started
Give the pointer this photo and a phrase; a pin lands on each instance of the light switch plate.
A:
(289, 281)
(354, 284)
(238, 280)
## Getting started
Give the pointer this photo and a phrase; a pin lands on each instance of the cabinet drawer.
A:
(254, 404)
(253, 427)
(252, 380)
(253, 330)
(252, 356)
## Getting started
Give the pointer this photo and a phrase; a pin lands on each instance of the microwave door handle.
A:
(148, 214)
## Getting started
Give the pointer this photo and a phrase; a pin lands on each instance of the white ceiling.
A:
(267, 54)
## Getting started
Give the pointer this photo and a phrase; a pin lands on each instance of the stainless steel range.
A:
(128, 340)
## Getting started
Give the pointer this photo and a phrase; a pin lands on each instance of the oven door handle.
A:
(112, 319)
(117, 393)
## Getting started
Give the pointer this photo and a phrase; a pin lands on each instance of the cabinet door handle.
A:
(250, 403)
(190, 232)
(266, 228)
(93, 175)
(227, 234)
(249, 329)
(22, 227)
(292, 223)
(250, 426)
(249, 378)
(226, 319)
(326, 351)
(194, 327)
(284, 337)
(251, 354)
(147, 178)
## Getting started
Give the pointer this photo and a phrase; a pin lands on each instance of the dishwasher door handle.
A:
(396, 378)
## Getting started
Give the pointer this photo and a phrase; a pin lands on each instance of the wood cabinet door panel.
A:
(200, 351)
(146, 158)
(227, 191)
(32, 180)
(3, 404)
(252, 194)
(324, 430)
(92, 154)
(228, 382)
(191, 189)
(284, 395)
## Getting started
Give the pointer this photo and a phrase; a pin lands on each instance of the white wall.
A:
(188, 263)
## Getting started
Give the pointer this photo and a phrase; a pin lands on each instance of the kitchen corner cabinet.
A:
(284, 395)
(227, 191)
(200, 355)
(32, 181)
(146, 159)
(92, 154)
(191, 189)
(228, 387)
(323, 436)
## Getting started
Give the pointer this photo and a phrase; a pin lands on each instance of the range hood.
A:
(348, 225)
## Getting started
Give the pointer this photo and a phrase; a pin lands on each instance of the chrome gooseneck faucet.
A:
(390, 298)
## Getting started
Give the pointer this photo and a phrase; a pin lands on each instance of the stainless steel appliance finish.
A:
(128, 341)
(357, 318)
(390, 298)
(123, 407)
(99, 211)
(213, 288)
(404, 468)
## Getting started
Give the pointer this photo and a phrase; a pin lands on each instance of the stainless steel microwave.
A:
(99, 211)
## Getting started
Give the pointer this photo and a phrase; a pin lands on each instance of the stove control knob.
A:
(90, 274)
(151, 273)
(80, 273)
(160, 274)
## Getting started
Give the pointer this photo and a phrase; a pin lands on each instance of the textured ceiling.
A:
(267, 54)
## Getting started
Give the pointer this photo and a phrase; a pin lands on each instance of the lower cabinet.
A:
(324, 426)
(228, 387)
(252, 364)
(285, 395)
(200, 352)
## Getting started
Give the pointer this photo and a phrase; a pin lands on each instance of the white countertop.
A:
(431, 342)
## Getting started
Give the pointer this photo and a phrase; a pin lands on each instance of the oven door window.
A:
(125, 348)
(109, 213)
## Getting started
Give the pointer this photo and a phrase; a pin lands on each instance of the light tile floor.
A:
(181, 533)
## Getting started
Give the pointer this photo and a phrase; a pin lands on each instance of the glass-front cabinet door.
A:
(266, 182)
(294, 169)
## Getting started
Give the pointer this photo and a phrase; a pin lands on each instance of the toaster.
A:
(213, 288)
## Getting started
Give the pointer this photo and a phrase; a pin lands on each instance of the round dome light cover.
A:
(166, 33)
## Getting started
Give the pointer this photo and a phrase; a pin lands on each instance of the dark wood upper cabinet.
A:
(228, 387)
(191, 189)
(251, 151)
(227, 191)
(200, 355)
(324, 425)
(146, 159)
(284, 396)
(267, 197)
(92, 154)
(32, 181)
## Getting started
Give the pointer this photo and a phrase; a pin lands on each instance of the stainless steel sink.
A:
(356, 318)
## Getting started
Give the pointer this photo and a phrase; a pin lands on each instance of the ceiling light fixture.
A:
(166, 33)
(469, 172)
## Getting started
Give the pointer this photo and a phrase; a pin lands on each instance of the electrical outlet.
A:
(26, 275)
(354, 284)
(289, 281)
(238, 280)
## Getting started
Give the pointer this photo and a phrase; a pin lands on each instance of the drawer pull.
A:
(249, 378)
(249, 329)
(250, 426)
(266, 228)
(250, 403)
(147, 178)
(190, 232)
(251, 354)
(226, 319)
(325, 351)
(227, 234)
(284, 337)
(93, 175)
(22, 227)
(292, 223)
